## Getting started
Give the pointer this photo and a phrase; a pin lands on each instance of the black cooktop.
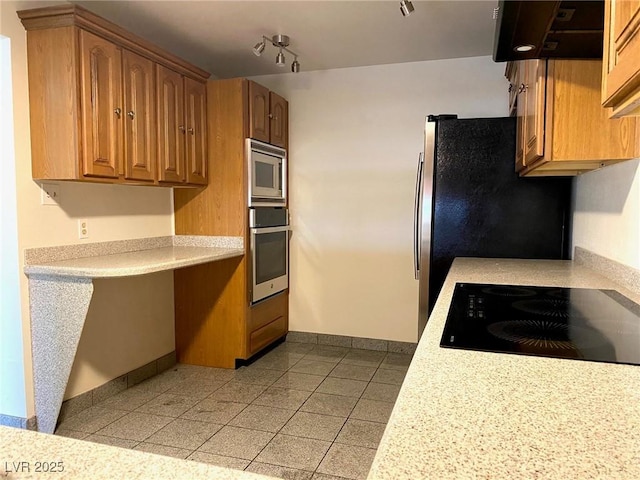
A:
(578, 323)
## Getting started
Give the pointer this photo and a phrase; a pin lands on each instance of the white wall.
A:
(12, 384)
(355, 135)
(606, 212)
(114, 213)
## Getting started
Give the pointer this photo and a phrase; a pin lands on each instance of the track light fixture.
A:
(281, 42)
(406, 7)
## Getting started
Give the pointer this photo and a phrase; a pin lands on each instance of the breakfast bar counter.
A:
(471, 414)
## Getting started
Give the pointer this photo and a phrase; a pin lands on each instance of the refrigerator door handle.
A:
(417, 218)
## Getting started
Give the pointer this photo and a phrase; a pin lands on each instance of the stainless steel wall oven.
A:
(269, 227)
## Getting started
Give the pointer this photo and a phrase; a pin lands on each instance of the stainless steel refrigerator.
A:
(470, 202)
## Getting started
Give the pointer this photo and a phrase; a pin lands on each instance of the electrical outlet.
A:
(83, 228)
(50, 194)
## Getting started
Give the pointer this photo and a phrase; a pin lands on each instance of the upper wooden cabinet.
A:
(182, 124)
(621, 59)
(98, 104)
(562, 127)
(268, 115)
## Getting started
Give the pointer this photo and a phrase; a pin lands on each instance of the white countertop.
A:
(133, 263)
(466, 414)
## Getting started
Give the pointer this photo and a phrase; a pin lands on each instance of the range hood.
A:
(558, 29)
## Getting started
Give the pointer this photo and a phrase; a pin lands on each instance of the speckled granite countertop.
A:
(133, 263)
(23, 453)
(481, 415)
(130, 257)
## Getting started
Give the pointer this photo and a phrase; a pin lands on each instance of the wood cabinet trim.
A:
(621, 67)
(75, 15)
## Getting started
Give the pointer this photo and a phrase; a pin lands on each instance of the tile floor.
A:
(301, 411)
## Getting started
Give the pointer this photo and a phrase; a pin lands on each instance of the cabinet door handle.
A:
(181, 128)
(131, 114)
(191, 131)
(522, 88)
(118, 112)
(271, 115)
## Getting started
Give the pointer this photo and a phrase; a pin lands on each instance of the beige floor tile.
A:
(238, 392)
(92, 419)
(372, 410)
(313, 425)
(113, 441)
(294, 452)
(313, 367)
(384, 375)
(185, 434)
(353, 372)
(347, 461)
(381, 391)
(361, 433)
(342, 386)
(168, 405)
(299, 381)
(365, 358)
(326, 404)
(258, 417)
(214, 411)
(282, 398)
(278, 471)
(257, 376)
(219, 460)
(163, 450)
(237, 442)
(135, 426)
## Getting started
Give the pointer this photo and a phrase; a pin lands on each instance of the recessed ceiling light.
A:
(524, 48)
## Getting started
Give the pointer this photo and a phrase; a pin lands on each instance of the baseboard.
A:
(19, 422)
(88, 399)
(352, 342)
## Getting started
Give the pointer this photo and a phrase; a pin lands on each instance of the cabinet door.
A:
(621, 69)
(171, 127)
(259, 127)
(279, 110)
(140, 122)
(518, 87)
(102, 108)
(535, 72)
(196, 136)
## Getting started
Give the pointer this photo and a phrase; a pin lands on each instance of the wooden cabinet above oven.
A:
(217, 327)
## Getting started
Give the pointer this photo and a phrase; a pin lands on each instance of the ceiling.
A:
(219, 36)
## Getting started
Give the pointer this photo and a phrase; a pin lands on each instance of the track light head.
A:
(406, 7)
(258, 49)
(280, 59)
(295, 66)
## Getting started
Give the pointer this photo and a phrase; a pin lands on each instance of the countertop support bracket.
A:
(59, 306)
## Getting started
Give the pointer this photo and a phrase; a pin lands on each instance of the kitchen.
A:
(327, 216)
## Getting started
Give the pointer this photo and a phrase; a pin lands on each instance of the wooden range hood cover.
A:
(556, 29)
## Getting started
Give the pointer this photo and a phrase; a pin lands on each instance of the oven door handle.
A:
(258, 230)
